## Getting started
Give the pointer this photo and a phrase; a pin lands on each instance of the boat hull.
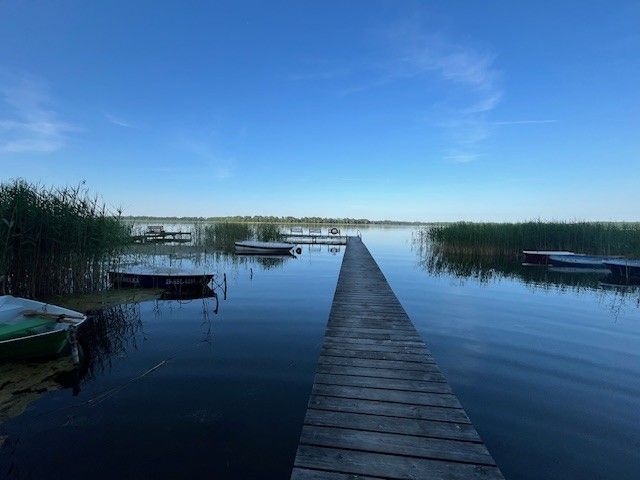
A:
(625, 273)
(173, 283)
(45, 345)
(263, 251)
(579, 262)
(264, 248)
(532, 257)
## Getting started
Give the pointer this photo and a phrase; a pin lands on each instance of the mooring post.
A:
(224, 276)
(73, 341)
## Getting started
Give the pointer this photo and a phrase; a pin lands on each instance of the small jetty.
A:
(315, 236)
(380, 407)
(157, 234)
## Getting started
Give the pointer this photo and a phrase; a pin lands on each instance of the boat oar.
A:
(58, 317)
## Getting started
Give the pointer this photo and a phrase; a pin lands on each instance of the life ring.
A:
(334, 231)
(298, 250)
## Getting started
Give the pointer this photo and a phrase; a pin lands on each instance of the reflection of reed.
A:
(197, 257)
(467, 263)
(108, 333)
(470, 263)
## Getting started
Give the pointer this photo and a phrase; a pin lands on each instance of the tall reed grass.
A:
(55, 241)
(598, 238)
(223, 235)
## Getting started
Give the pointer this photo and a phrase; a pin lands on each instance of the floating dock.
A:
(313, 239)
(380, 408)
(162, 237)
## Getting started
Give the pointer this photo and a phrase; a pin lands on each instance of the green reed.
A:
(604, 238)
(55, 241)
(223, 235)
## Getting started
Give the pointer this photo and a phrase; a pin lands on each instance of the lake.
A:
(546, 364)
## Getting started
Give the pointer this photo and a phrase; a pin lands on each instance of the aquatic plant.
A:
(55, 241)
(267, 232)
(604, 238)
(223, 235)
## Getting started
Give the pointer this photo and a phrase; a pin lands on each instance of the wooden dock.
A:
(380, 408)
(313, 239)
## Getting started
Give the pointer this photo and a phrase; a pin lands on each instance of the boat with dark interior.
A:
(165, 278)
(541, 257)
(588, 262)
(624, 270)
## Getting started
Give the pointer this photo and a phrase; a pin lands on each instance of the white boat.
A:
(31, 329)
(265, 248)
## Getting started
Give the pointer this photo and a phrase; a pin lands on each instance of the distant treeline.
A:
(273, 219)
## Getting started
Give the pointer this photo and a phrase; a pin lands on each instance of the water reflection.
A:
(439, 260)
(110, 333)
(23, 383)
(106, 334)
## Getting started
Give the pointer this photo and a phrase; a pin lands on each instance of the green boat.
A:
(31, 329)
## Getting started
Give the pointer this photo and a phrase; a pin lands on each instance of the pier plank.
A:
(381, 372)
(390, 466)
(401, 444)
(380, 408)
(378, 423)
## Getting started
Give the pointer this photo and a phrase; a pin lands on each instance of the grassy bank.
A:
(55, 241)
(605, 238)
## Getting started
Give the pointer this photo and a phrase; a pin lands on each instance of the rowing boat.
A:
(165, 278)
(31, 329)
(589, 262)
(541, 257)
(625, 270)
(265, 248)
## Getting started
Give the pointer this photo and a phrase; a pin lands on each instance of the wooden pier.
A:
(157, 234)
(380, 408)
(316, 239)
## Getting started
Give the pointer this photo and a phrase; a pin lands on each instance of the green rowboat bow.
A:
(31, 329)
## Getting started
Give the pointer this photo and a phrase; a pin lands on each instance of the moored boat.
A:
(165, 278)
(265, 248)
(625, 270)
(541, 257)
(31, 329)
(588, 262)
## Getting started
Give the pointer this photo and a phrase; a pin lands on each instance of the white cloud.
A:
(206, 156)
(31, 126)
(522, 122)
(471, 78)
(461, 158)
(118, 121)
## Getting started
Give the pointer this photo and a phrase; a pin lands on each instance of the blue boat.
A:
(541, 257)
(165, 278)
(590, 262)
(625, 270)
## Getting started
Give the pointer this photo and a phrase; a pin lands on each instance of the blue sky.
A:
(440, 110)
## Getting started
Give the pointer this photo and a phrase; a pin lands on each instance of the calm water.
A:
(546, 364)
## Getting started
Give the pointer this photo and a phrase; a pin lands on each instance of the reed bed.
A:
(598, 238)
(223, 235)
(55, 241)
